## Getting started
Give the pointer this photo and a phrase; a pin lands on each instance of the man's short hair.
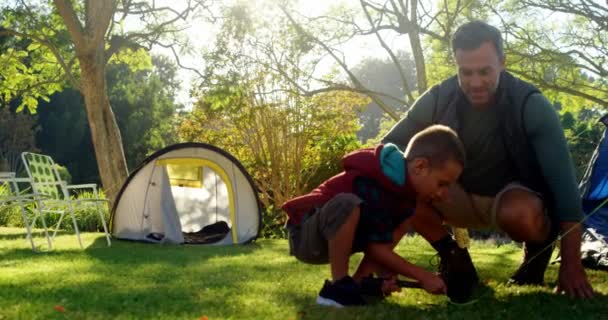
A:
(472, 35)
(438, 144)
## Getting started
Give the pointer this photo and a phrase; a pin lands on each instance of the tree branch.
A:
(66, 10)
(66, 68)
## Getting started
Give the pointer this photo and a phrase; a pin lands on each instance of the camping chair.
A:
(11, 195)
(53, 194)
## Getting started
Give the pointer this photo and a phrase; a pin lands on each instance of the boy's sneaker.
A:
(372, 286)
(342, 293)
(459, 274)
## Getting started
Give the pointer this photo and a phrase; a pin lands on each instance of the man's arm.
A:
(572, 277)
(547, 138)
(418, 117)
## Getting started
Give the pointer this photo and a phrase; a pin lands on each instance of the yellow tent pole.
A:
(215, 167)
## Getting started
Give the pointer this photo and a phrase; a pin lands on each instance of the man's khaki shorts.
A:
(468, 210)
(308, 241)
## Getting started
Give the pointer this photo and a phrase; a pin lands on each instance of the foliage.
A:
(288, 146)
(583, 132)
(30, 71)
(145, 108)
(16, 136)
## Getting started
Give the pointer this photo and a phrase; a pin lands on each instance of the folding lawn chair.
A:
(11, 195)
(53, 194)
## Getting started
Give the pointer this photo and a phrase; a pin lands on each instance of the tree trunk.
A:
(414, 36)
(104, 130)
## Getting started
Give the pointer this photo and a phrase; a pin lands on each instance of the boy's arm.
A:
(383, 254)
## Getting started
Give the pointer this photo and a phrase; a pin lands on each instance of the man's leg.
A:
(456, 267)
(428, 223)
(520, 213)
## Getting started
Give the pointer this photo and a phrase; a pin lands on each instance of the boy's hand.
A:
(389, 285)
(432, 283)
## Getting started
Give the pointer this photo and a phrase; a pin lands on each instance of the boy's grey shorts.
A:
(308, 241)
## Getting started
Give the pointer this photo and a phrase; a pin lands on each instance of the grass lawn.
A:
(259, 281)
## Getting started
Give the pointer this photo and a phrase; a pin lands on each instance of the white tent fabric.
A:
(155, 205)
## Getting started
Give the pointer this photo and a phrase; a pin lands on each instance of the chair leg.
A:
(27, 226)
(103, 222)
(46, 231)
(58, 225)
(75, 225)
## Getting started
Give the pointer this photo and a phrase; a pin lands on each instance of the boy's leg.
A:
(341, 244)
(368, 266)
(327, 236)
(310, 241)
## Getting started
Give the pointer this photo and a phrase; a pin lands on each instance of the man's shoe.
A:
(459, 274)
(532, 269)
(342, 293)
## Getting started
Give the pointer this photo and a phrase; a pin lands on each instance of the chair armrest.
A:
(7, 175)
(82, 186)
(25, 198)
(56, 183)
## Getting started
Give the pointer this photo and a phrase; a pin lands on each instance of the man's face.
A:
(478, 73)
(433, 183)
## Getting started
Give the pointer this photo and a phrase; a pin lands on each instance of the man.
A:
(519, 175)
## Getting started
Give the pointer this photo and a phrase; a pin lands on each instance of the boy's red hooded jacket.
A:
(371, 163)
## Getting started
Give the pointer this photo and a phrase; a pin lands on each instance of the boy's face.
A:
(433, 183)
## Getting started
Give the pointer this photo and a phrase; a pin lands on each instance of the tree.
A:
(288, 142)
(568, 57)
(143, 102)
(16, 135)
(73, 41)
(381, 76)
(412, 19)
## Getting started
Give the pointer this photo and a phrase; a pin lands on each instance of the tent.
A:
(594, 191)
(188, 193)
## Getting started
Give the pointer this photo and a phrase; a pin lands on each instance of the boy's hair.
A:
(438, 144)
(473, 34)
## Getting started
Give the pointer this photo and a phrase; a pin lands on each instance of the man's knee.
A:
(521, 215)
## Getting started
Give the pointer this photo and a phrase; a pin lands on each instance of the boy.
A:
(365, 208)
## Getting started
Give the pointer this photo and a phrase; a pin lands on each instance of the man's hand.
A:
(572, 278)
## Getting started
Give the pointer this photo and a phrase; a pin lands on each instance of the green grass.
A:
(259, 281)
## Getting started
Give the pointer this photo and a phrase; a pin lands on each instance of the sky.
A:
(357, 50)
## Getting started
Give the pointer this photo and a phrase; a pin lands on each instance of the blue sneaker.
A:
(342, 293)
